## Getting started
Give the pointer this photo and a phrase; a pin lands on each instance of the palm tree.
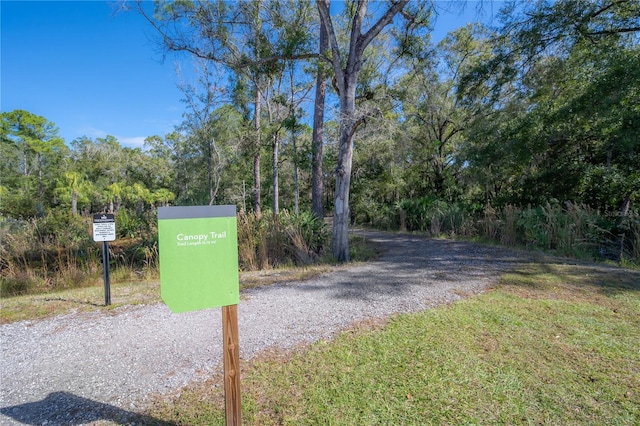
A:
(114, 195)
(74, 184)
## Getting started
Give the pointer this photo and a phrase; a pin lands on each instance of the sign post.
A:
(105, 277)
(198, 247)
(231, 363)
(104, 229)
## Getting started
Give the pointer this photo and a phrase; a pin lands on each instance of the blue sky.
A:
(95, 73)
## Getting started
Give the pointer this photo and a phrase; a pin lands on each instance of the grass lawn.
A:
(550, 344)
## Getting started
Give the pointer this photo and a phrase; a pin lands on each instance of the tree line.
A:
(358, 114)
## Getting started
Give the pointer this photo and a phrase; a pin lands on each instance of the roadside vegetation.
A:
(525, 134)
(56, 253)
(549, 344)
(133, 287)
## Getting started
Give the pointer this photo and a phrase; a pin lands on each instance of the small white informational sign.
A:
(104, 227)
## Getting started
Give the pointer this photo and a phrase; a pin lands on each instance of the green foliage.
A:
(563, 123)
(128, 225)
(277, 240)
(567, 229)
(65, 228)
(417, 213)
(31, 152)
(106, 177)
(372, 212)
(57, 252)
(45, 254)
(537, 120)
(18, 203)
(313, 231)
(570, 230)
(437, 217)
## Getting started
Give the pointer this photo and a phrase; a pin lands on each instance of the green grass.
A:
(550, 344)
(38, 306)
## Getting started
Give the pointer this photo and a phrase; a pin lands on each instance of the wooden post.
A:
(231, 355)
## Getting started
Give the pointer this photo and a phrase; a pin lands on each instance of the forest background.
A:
(524, 134)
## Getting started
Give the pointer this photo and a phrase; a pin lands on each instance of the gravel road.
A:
(102, 367)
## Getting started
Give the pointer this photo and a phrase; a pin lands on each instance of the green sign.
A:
(198, 248)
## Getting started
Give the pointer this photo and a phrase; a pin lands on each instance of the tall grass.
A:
(277, 240)
(58, 252)
(46, 254)
(571, 230)
(436, 217)
(567, 229)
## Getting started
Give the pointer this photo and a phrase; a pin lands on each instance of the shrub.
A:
(57, 251)
(437, 217)
(274, 240)
(568, 229)
(46, 253)
(128, 225)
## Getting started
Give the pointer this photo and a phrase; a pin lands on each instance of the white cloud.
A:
(91, 132)
(133, 142)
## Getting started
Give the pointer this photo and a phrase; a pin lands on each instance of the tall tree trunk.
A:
(346, 79)
(257, 203)
(348, 124)
(210, 173)
(25, 160)
(276, 187)
(257, 185)
(74, 202)
(40, 187)
(273, 109)
(317, 184)
(296, 188)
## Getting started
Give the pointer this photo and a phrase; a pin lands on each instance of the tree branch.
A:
(325, 16)
(613, 31)
(396, 7)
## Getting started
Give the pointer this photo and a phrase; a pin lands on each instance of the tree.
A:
(163, 196)
(217, 33)
(247, 38)
(32, 144)
(283, 113)
(346, 66)
(435, 117)
(199, 123)
(73, 187)
(317, 188)
(175, 150)
(561, 87)
(114, 196)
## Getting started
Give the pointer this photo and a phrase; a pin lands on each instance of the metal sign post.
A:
(104, 229)
(105, 263)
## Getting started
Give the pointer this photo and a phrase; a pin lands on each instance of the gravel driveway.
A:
(103, 366)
